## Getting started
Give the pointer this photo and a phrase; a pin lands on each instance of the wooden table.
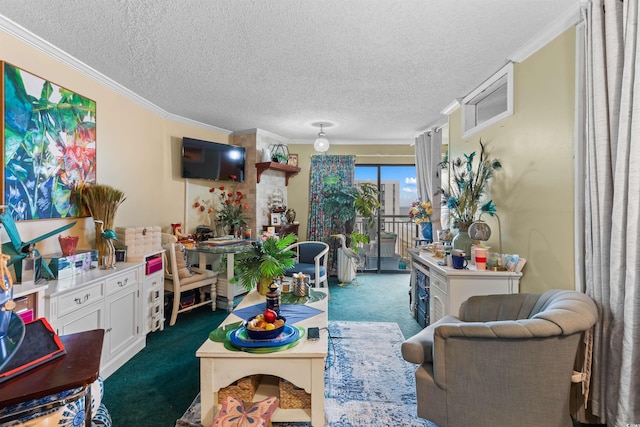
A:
(302, 365)
(80, 367)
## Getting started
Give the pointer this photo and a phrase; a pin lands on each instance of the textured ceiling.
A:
(378, 70)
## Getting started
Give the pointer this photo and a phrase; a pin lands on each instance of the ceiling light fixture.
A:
(321, 144)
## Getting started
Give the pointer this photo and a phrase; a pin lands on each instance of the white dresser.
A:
(119, 301)
(437, 291)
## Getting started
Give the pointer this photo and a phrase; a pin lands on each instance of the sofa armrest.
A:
(419, 348)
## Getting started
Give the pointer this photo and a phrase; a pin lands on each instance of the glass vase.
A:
(463, 242)
(426, 228)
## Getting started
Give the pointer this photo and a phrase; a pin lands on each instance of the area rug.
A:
(367, 383)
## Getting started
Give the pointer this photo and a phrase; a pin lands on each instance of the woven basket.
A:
(292, 397)
(243, 389)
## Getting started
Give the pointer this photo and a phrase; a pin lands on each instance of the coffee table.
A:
(302, 365)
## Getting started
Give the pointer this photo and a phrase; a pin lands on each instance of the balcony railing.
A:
(388, 250)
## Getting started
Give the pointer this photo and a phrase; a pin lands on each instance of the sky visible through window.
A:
(405, 175)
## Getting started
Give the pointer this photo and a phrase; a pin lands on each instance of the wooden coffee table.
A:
(302, 365)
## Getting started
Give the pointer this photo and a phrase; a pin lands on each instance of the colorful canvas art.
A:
(49, 137)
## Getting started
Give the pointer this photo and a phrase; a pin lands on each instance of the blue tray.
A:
(238, 337)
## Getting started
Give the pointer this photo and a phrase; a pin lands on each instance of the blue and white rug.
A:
(367, 383)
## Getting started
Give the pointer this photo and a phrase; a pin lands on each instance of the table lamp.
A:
(480, 230)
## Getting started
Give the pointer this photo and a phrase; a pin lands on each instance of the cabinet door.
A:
(122, 319)
(84, 319)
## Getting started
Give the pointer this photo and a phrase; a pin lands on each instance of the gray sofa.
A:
(506, 360)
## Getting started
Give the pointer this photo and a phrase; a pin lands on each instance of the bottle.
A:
(273, 297)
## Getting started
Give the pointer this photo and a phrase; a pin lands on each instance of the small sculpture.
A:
(108, 261)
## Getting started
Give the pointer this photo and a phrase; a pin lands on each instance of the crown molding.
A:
(48, 49)
(558, 26)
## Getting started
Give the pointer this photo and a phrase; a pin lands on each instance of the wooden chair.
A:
(178, 279)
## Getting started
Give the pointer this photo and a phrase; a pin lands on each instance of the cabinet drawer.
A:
(81, 298)
(440, 282)
(128, 279)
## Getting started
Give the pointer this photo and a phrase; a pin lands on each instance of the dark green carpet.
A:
(156, 386)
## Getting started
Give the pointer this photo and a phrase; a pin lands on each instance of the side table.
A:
(78, 368)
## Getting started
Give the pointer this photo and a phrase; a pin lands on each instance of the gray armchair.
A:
(506, 360)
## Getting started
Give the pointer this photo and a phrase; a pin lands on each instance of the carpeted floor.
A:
(367, 382)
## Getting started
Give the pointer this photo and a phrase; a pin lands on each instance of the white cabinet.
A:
(102, 299)
(447, 288)
(153, 293)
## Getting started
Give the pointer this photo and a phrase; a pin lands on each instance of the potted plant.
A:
(344, 203)
(265, 261)
(467, 193)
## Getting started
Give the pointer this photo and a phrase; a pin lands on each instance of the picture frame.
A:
(275, 219)
(59, 111)
(293, 160)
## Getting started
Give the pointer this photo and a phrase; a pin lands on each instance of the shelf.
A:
(287, 169)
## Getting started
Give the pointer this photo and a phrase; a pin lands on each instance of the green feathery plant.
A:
(266, 259)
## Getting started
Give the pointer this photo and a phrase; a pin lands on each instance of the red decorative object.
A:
(68, 244)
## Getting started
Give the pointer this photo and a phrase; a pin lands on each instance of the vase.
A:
(290, 215)
(426, 228)
(263, 285)
(463, 242)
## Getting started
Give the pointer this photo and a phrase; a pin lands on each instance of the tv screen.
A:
(212, 160)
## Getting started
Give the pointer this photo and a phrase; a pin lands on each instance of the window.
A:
(489, 103)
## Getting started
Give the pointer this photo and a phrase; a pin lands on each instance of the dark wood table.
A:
(79, 367)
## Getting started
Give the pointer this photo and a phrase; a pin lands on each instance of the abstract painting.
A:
(49, 136)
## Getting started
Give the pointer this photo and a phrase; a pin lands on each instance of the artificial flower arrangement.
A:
(420, 212)
(466, 195)
(229, 206)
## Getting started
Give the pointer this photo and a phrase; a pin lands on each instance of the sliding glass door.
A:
(392, 232)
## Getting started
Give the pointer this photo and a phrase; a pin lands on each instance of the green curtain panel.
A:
(327, 171)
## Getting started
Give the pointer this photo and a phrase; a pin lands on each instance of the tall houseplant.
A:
(343, 204)
(466, 195)
(265, 261)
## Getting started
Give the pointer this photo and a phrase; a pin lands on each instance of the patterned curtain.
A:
(326, 171)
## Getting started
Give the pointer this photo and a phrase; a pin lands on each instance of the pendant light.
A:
(322, 143)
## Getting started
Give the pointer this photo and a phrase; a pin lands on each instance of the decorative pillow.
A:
(236, 413)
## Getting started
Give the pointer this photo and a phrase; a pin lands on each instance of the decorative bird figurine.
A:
(109, 236)
(18, 250)
(354, 257)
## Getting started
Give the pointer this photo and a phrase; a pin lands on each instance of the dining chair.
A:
(179, 277)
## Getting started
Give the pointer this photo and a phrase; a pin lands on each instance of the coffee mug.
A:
(459, 262)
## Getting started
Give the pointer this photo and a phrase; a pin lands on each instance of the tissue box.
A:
(140, 240)
(66, 266)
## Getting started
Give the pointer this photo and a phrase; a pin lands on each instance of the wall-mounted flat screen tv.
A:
(212, 160)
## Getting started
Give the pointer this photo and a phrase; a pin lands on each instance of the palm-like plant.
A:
(265, 260)
(466, 195)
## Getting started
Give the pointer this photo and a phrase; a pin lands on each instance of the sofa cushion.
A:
(308, 251)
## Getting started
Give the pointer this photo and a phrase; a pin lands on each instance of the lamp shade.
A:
(321, 144)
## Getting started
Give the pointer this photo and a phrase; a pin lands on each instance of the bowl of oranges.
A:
(265, 326)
